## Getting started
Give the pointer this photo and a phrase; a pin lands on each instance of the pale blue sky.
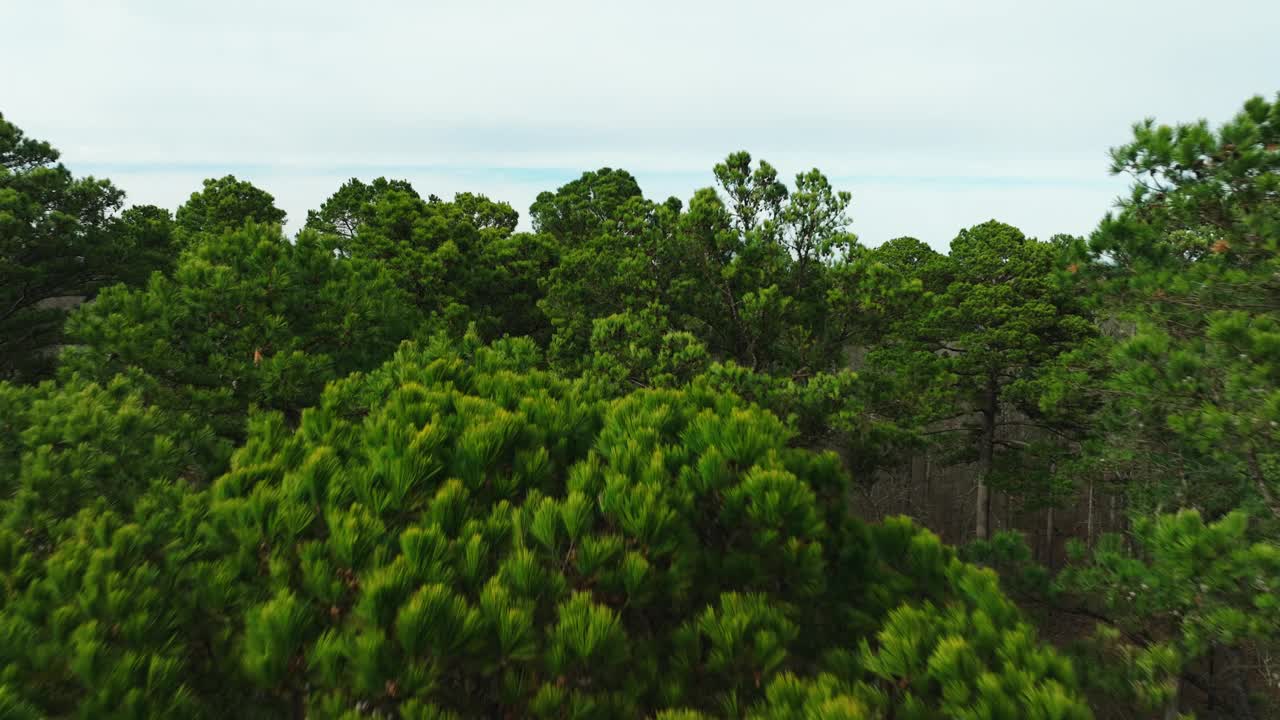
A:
(935, 115)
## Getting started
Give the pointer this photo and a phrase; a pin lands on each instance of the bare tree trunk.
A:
(1048, 538)
(1213, 679)
(1236, 679)
(1089, 517)
(985, 453)
(928, 487)
(1172, 710)
(1260, 480)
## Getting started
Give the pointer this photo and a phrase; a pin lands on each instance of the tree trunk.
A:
(1089, 518)
(1173, 710)
(985, 453)
(928, 488)
(1260, 480)
(1235, 677)
(1048, 538)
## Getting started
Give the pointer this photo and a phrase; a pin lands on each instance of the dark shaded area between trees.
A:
(713, 458)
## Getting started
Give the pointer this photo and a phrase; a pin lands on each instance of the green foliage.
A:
(1186, 590)
(247, 318)
(1008, 554)
(507, 290)
(605, 473)
(1209, 579)
(583, 208)
(1177, 398)
(1000, 315)
(111, 623)
(617, 254)
(1191, 410)
(223, 205)
(831, 410)
(459, 262)
(348, 209)
(969, 662)
(638, 349)
(149, 234)
(82, 445)
(992, 321)
(466, 534)
(749, 280)
(1196, 187)
(61, 240)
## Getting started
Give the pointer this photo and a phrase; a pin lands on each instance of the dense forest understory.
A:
(677, 460)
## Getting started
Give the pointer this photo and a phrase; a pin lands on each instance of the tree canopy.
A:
(61, 239)
(704, 457)
(464, 535)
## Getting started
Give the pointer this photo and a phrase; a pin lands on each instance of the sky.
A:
(935, 115)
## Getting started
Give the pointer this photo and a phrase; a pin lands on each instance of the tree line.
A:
(414, 462)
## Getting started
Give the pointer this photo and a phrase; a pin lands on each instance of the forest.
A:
(683, 459)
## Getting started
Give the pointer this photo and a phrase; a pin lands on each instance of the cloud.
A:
(931, 113)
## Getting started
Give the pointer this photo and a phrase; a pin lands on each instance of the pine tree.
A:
(61, 239)
(459, 534)
(246, 319)
(993, 319)
(748, 273)
(223, 205)
(460, 262)
(351, 207)
(1194, 393)
(1188, 592)
(1181, 398)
